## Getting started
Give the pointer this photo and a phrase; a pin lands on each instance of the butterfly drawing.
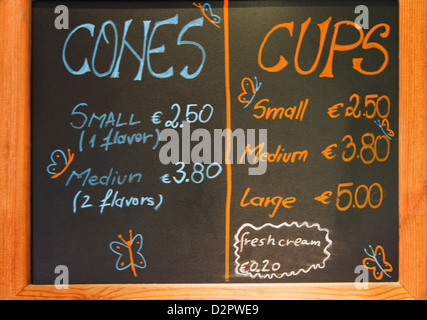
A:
(129, 253)
(207, 13)
(385, 128)
(249, 90)
(59, 162)
(377, 263)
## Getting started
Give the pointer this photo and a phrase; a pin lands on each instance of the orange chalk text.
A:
(381, 30)
(276, 202)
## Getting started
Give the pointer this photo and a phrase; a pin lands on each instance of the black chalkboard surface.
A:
(135, 106)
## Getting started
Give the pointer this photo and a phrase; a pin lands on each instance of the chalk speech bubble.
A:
(272, 251)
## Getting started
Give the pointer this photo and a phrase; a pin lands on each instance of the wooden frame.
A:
(15, 45)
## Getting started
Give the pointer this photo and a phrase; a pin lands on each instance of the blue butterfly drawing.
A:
(208, 14)
(129, 253)
(59, 162)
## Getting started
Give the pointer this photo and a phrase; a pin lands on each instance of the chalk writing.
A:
(371, 148)
(99, 121)
(115, 200)
(198, 174)
(259, 201)
(203, 115)
(112, 178)
(280, 156)
(309, 242)
(334, 47)
(361, 198)
(273, 113)
(118, 49)
(373, 106)
(161, 122)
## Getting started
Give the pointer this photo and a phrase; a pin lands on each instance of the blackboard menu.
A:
(213, 142)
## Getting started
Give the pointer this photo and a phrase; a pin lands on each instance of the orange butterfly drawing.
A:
(385, 125)
(377, 263)
(129, 253)
(248, 89)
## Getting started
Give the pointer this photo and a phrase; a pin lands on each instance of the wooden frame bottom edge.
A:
(310, 291)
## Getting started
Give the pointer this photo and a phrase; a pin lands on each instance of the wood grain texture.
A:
(413, 144)
(393, 291)
(14, 145)
(15, 183)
